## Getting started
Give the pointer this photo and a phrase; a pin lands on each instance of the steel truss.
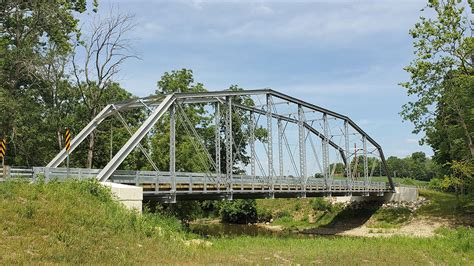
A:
(223, 103)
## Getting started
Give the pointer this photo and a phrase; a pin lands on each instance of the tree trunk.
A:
(467, 134)
(60, 139)
(90, 150)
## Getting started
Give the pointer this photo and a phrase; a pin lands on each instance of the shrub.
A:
(435, 183)
(320, 204)
(264, 215)
(210, 208)
(239, 211)
(185, 211)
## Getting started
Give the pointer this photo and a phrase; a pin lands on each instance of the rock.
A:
(197, 242)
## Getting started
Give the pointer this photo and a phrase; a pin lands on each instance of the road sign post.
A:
(3, 151)
(67, 146)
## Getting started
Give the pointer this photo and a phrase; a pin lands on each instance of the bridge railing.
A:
(157, 182)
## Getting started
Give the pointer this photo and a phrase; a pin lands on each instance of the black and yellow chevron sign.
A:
(3, 148)
(67, 137)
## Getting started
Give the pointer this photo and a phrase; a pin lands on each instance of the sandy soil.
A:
(420, 227)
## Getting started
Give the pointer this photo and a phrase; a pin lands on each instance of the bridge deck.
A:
(162, 186)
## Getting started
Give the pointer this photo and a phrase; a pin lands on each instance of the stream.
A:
(217, 229)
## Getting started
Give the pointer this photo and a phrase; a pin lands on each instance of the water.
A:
(223, 229)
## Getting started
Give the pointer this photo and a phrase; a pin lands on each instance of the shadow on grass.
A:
(446, 205)
(352, 216)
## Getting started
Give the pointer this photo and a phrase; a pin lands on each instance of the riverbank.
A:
(79, 223)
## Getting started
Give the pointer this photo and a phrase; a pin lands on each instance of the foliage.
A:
(185, 211)
(189, 152)
(320, 204)
(416, 166)
(239, 211)
(264, 215)
(441, 79)
(462, 177)
(35, 96)
(435, 183)
(210, 208)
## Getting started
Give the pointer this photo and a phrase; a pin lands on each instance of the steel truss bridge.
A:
(292, 148)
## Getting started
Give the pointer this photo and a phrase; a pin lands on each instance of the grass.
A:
(390, 217)
(445, 205)
(78, 222)
(455, 247)
(400, 180)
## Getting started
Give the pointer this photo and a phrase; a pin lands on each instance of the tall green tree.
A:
(192, 151)
(441, 73)
(35, 38)
(441, 81)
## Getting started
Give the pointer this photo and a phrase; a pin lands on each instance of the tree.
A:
(187, 157)
(35, 37)
(441, 73)
(96, 62)
(191, 150)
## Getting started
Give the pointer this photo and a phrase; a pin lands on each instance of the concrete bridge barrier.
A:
(130, 196)
(401, 194)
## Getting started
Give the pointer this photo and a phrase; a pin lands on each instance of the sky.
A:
(347, 56)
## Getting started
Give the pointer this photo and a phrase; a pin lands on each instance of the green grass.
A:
(454, 247)
(446, 205)
(390, 217)
(399, 180)
(78, 222)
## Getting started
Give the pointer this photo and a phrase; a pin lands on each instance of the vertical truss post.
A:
(347, 154)
(228, 144)
(218, 144)
(366, 166)
(252, 145)
(302, 148)
(173, 151)
(252, 148)
(270, 144)
(280, 150)
(326, 150)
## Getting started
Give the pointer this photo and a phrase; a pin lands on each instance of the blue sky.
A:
(343, 55)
